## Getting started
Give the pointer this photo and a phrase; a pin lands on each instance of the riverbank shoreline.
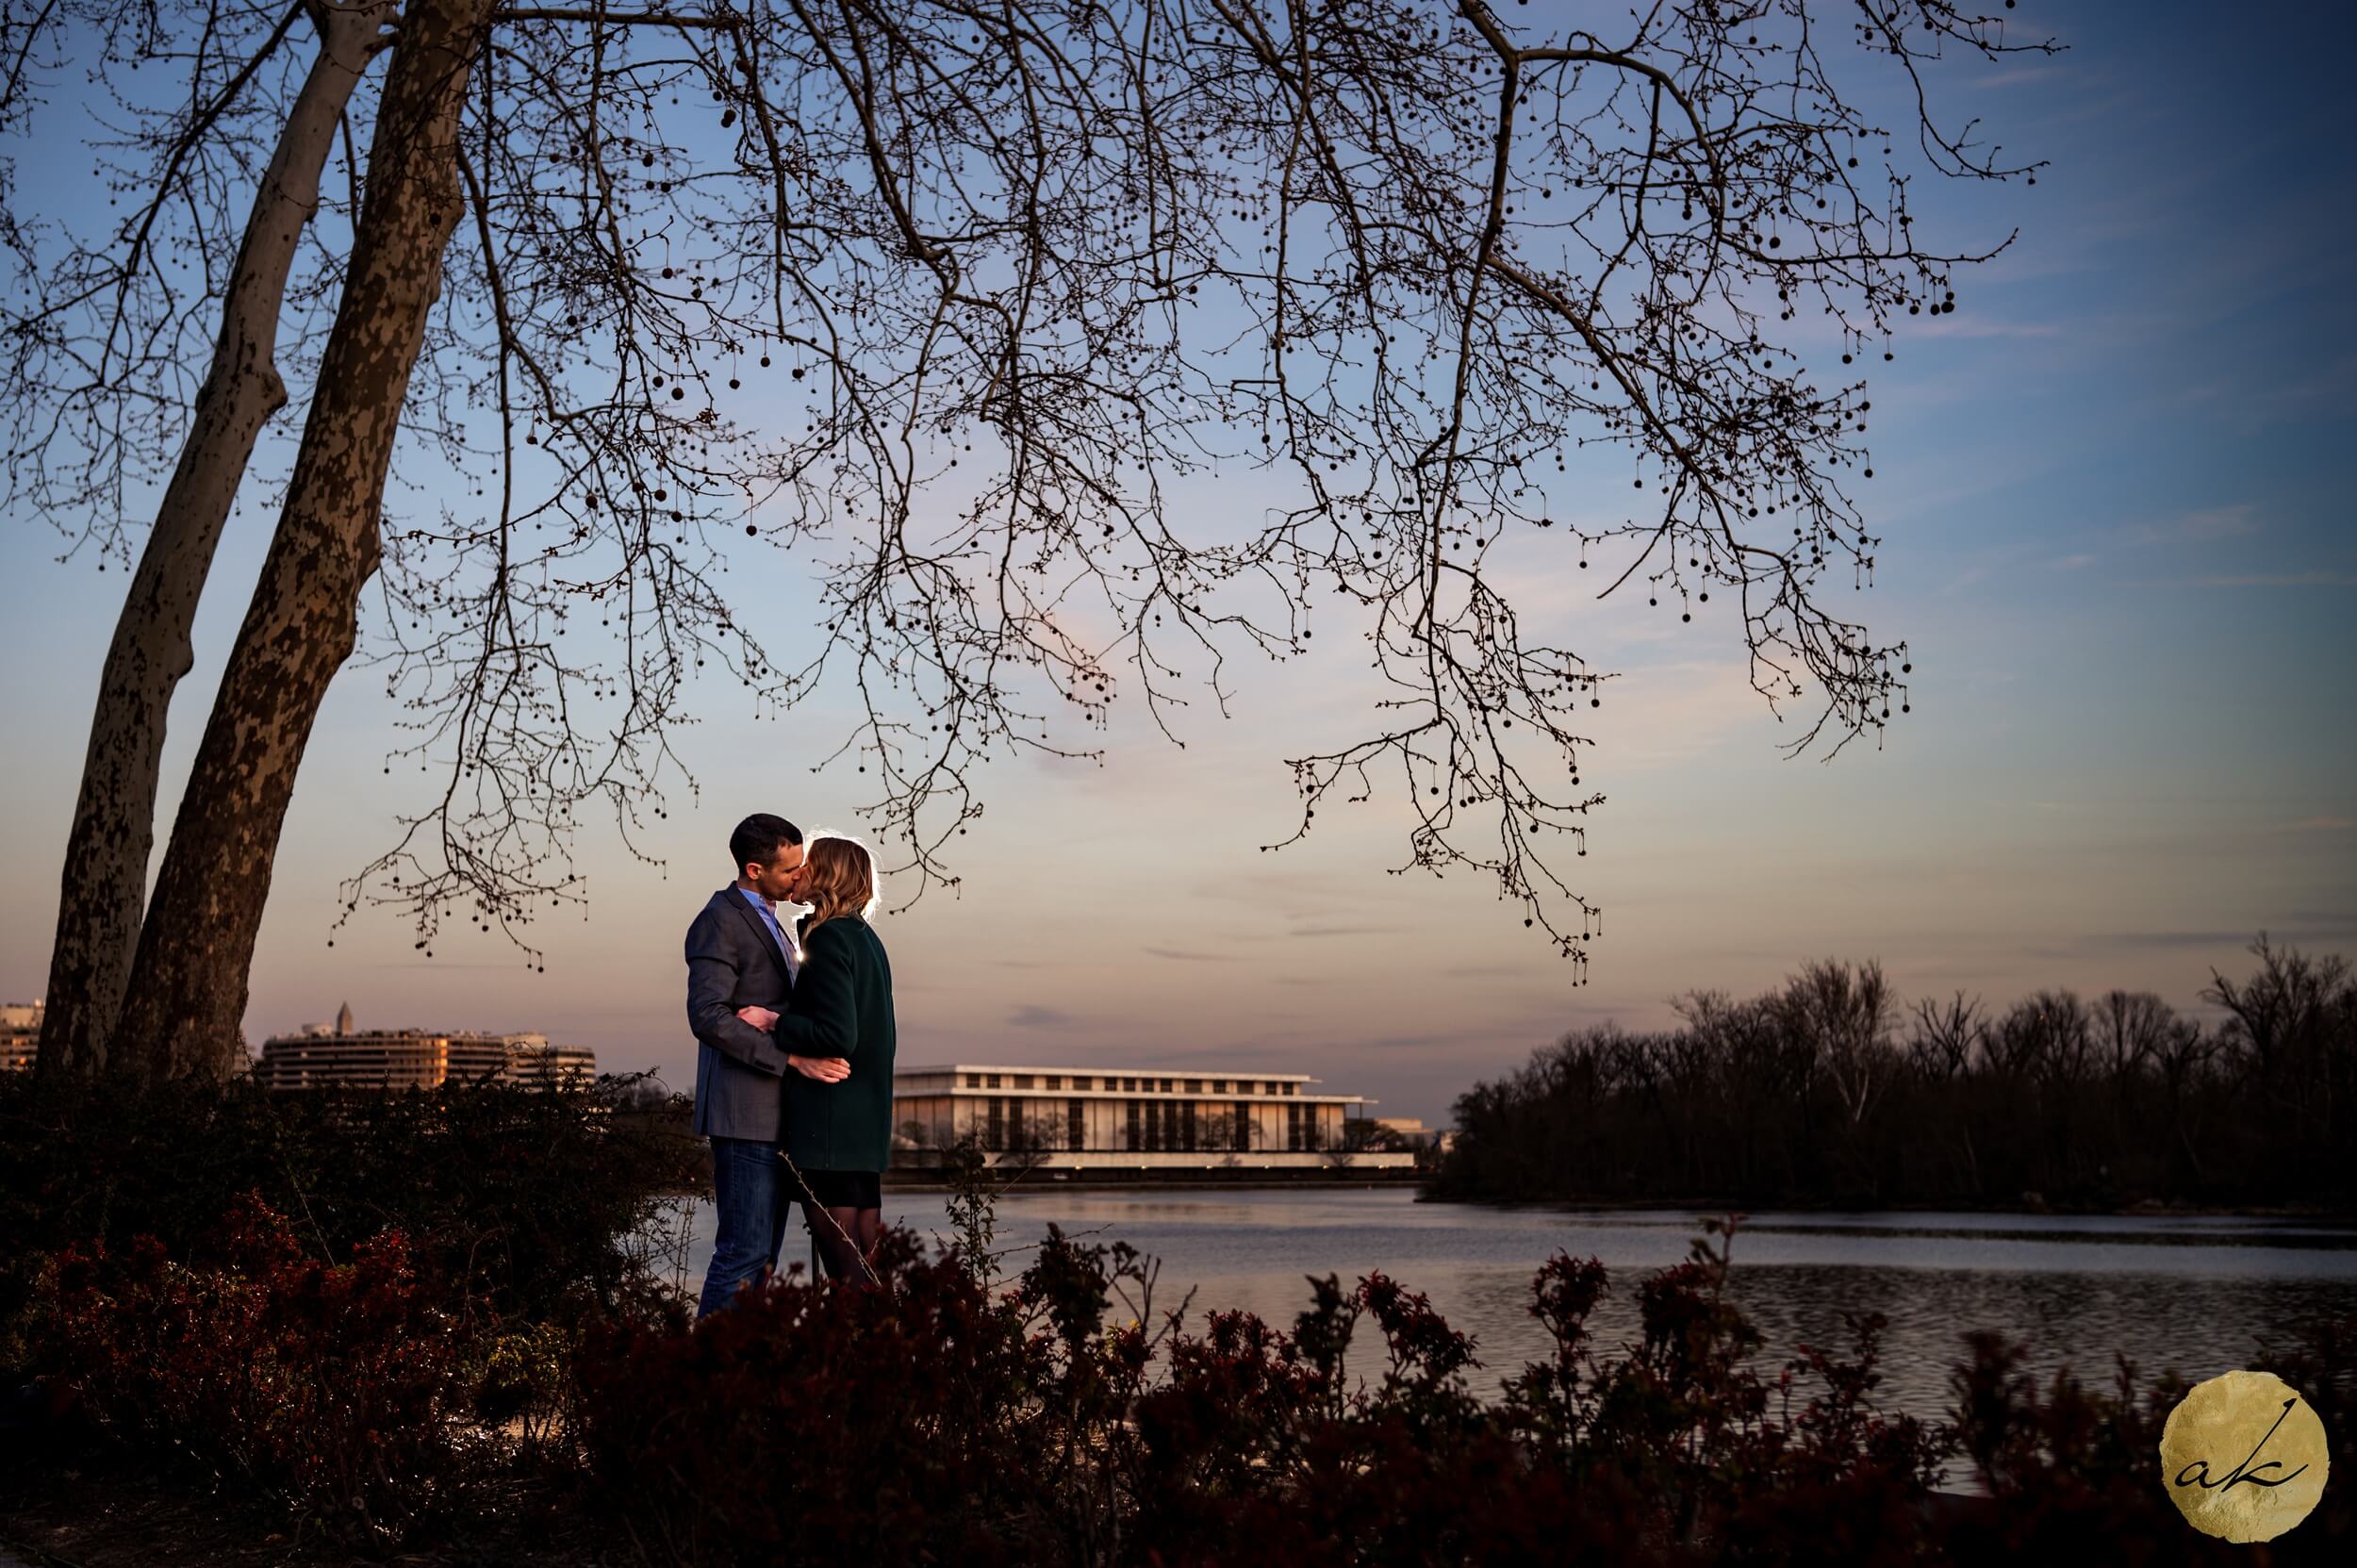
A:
(1043, 1181)
(2143, 1208)
(1004, 1185)
(914, 1181)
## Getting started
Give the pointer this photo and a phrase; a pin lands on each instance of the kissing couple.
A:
(794, 1037)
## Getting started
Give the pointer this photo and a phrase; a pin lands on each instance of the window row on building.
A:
(344, 1056)
(1064, 1111)
(20, 1035)
(1118, 1125)
(339, 1055)
(1115, 1083)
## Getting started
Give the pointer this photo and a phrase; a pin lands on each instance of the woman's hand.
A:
(759, 1017)
(826, 1070)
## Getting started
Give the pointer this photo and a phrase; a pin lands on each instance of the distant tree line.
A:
(1828, 1089)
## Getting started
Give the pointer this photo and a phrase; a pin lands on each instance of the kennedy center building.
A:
(1086, 1118)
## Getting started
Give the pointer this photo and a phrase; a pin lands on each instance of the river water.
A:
(2193, 1294)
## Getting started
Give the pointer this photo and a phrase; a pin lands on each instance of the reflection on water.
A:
(2195, 1295)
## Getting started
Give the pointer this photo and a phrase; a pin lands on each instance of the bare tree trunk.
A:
(105, 883)
(187, 990)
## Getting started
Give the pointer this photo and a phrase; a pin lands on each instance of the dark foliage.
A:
(1821, 1091)
(527, 1203)
(942, 1424)
(335, 1391)
(2322, 1365)
(374, 1387)
(819, 1424)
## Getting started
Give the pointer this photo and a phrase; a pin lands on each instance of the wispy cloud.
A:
(2134, 941)
(2014, 77)
(2196, 527)
(2322, 927)
(441, 965)
(1672, 715)
(1030, 1016)
(2331, 388)
(2321, 824)
(2071, 563)
(1190, 958)
(2284, 580)
(1972, 327)
(1410, 1042)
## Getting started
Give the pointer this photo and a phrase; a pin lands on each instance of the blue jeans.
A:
(751, 1206)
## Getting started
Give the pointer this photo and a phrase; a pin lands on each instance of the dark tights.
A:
(830, 1226)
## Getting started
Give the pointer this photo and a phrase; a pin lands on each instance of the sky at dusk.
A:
(2112, 489)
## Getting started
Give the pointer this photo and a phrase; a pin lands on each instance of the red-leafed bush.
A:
(1260, 1447)
(811, 1423)
(534, 1203)
(1069, 1418)
(339, 1390)
(2073, 1471)
(938, 1422)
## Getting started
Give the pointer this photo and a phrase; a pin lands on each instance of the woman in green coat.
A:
(837, 1135)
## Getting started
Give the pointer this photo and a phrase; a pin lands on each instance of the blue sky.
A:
(2113, 490)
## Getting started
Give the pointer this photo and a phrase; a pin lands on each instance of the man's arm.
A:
(711, 974)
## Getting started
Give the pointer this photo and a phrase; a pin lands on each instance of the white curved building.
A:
(1130, 1118)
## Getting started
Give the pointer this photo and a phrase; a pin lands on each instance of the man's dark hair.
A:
(759, 838)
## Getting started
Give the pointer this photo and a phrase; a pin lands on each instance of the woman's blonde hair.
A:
(838, 879)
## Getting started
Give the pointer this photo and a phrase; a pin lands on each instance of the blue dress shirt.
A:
(769, 918)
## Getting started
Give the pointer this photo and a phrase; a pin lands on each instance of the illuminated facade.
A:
(340, 1055)
(20, 1035)
(1079, 1118)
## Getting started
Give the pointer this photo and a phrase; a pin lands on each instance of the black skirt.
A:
(843, 1189)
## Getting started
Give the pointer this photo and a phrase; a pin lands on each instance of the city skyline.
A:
(2115, 538)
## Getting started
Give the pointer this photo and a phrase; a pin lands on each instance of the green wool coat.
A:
(842, 1006)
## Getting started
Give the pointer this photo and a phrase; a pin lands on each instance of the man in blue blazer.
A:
(740, 955)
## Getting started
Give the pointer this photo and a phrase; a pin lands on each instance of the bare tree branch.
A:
(980, 316)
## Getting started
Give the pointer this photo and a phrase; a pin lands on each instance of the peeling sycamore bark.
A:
(105, 882)
(188, 989)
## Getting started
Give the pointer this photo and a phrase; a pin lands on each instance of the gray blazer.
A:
(733, 961)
